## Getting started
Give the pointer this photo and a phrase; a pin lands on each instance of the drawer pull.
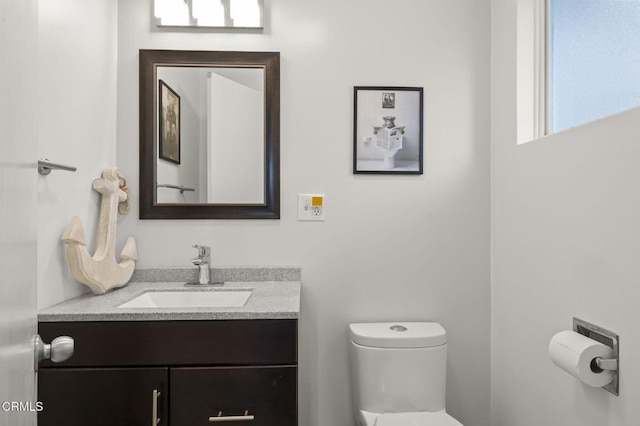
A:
(155, 420)
(221, 418)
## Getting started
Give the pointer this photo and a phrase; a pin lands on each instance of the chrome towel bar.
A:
(180, 188)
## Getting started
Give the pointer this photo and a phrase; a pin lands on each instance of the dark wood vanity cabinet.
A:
(259, 393)
(100, 396)
(206, 372)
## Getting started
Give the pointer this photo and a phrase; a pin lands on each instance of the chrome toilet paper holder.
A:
(607, 338)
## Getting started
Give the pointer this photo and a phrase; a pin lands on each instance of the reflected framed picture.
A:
(388, 130)
(388, 100)
(169, 123)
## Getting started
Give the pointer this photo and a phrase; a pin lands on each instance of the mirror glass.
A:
(209, 135)
(221, 141)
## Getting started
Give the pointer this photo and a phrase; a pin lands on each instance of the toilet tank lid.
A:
(438, 418)
(398, 334)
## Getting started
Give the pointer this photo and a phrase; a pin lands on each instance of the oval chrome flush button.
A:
(398, 328)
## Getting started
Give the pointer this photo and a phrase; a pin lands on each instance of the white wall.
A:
(564, 244)
(76, 119)
(188, 84)
(392, 247)
(236, 138)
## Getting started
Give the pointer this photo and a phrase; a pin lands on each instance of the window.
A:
(594, 60)
(577, 61)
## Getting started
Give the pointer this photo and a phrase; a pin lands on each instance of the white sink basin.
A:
(189, 299)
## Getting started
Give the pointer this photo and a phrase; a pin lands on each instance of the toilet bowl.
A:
(398, 373)
(388, 157)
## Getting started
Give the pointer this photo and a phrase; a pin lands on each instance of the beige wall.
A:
(564, 244)
(392, 247)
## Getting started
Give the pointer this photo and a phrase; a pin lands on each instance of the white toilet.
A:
(398, 373)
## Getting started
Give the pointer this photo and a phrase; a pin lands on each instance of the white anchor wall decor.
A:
(101, 272)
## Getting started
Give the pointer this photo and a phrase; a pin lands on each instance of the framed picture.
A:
(387, 130)
(388, 100)
(169, 123)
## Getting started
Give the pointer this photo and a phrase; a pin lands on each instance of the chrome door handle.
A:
(221, 418)
(45, 166)
(60, 349)
(155, 420)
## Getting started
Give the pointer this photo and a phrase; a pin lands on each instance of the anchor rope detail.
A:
(123, 207)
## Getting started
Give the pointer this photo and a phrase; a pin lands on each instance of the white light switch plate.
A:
(311, 207)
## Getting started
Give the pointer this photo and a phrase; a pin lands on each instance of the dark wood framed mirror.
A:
(220, 139)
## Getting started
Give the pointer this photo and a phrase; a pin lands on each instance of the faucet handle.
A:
(203, 251)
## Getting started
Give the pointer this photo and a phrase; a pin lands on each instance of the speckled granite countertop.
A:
(275, 295)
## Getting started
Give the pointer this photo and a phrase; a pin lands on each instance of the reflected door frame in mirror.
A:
(150, 60)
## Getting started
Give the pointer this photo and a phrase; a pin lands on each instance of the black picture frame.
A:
(169, 123)
(380, 145)
(388, 100)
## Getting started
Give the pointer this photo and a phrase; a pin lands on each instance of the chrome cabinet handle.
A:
(221, 418)
(155, 420)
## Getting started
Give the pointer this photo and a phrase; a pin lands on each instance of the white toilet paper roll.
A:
(574, 352)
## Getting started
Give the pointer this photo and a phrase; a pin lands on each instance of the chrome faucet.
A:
(203, 262)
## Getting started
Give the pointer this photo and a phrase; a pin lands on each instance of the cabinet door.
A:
(199, 395)
(101, 397)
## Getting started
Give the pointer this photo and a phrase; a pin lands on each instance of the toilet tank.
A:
(398, 367)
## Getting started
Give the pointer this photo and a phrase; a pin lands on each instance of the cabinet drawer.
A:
(269, 394)
(193, 343)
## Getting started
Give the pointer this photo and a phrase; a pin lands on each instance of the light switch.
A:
(311, 207)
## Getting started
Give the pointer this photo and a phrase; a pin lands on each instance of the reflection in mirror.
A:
(209, 135)
(221, 143)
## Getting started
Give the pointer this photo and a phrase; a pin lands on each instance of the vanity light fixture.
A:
(246, 14)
